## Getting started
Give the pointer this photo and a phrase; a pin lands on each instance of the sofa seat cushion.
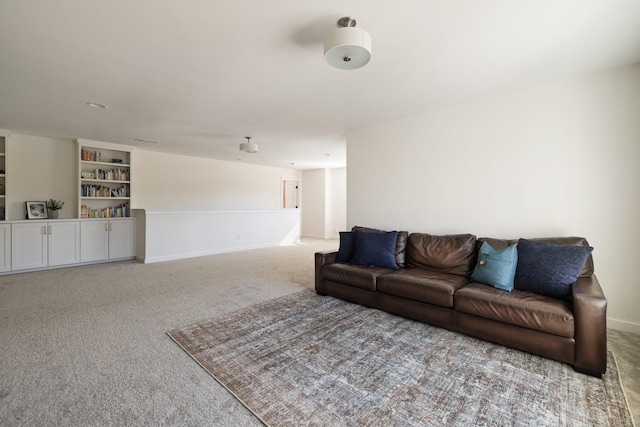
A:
(359, 276)
(520, 308)
(422, 285)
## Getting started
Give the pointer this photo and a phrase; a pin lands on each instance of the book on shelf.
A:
(89, 156)
(112, 174)
(120, 211)
(93, 190)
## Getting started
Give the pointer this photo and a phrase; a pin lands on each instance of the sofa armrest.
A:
(590, 314)
(323, 258)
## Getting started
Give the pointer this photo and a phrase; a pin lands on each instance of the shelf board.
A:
(88, 162)
(104, 218)
(105, 198)
(110, 181)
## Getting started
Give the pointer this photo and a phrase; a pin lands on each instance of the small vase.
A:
(53, 214)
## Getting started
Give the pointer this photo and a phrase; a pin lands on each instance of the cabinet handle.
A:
(110, 227)
(106, 226)
(49, 229)
(44, 229)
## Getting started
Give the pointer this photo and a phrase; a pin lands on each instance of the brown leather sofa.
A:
(432, 285)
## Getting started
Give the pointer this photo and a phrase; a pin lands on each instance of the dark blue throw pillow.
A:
(377, 248)
(345, 251)
(549, 269)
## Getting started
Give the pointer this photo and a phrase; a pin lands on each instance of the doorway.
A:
(290, 194)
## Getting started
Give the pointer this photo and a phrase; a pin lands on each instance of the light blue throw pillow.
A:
(496, 268)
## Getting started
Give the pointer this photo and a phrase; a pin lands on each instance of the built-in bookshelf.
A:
(105, 182)
(3, 177)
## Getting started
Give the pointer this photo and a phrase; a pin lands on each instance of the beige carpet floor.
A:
(87, 345)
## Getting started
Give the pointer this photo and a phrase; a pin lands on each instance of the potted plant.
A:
(53, 206)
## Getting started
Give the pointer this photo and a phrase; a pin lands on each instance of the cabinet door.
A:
(95, 240)
(64, 243)
(122, 239)
(5, 247)
(28, 246)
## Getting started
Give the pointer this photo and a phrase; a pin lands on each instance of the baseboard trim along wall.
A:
(171, 235)
(624, 326)
(185, 255)
(313, 236)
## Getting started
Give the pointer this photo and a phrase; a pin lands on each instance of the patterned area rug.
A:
(304, 359)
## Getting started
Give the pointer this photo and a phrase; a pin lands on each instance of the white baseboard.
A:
(177, 256)
(312, 236)
(624, 326)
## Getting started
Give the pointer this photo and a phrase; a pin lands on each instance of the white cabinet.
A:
(108, 239)
(5, 247)
(44, 244)
(122, 238)
(64, 242)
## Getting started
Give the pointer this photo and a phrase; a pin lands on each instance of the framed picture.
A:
(37, 210)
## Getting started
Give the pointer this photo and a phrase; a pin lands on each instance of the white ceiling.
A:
(199, 75)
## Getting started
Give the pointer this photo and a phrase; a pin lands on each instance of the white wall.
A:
(314, 204)
(557, 160)
(167, 181)
(168, 235)
(337, 200)
(39, 169)
(324, 202)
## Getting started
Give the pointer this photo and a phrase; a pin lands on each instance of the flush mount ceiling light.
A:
(249, 146)
(347, 47)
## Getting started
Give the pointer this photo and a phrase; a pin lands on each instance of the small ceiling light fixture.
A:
(249, 146)
(347, 47)
(96, 105)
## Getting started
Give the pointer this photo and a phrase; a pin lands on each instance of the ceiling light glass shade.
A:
(347, 48)
(249, 146)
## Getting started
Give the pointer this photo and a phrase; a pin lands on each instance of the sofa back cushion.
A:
(587, 270)
(401, 243)
(454, 254)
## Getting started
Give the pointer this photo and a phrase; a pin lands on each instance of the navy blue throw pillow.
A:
(345, 251)
(549, 269)
(377, 248)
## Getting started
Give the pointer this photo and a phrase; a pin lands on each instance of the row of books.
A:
(121, 211)
(103, 191)
(110, 175)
